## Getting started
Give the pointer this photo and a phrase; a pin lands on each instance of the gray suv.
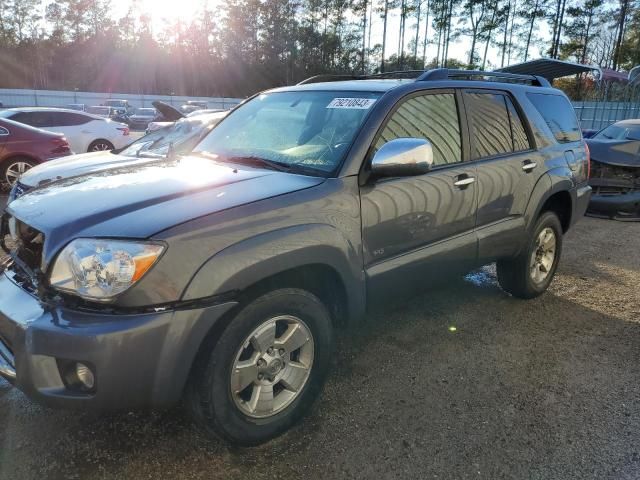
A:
(221, 275)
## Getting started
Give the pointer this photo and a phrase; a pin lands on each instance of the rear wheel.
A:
(12, 169)
(100, 145)
(266, 368)
(530, 273)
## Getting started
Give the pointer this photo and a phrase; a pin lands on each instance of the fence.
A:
(597, 115)
(599, 104)
(55, 98)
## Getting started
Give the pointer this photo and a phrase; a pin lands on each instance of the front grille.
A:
(24, 245)
(613, 179)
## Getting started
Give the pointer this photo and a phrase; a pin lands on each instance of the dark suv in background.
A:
(222, 274)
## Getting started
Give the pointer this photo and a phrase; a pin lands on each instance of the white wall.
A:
(56, 98)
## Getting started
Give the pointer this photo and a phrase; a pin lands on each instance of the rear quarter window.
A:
(559, 116)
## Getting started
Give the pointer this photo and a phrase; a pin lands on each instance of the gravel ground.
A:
(544, 389)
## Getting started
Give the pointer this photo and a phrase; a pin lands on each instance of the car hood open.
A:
(169, 113)
(621, 153)
(140, 198)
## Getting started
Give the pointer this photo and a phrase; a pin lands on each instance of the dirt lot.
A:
(545, 389)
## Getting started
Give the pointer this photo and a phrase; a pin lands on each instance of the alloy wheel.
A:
(15, 170)
(272, 366)
(100, 146)
(543, 256)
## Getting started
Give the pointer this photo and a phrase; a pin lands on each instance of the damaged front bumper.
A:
(616, 191)
(138, 360)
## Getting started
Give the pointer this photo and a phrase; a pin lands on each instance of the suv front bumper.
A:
(139, 360)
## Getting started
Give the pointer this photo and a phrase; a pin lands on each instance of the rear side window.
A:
(28, 118)
(67, 119)
(433, 117)
(490, 124)
(518, 132)
(3, 132)
(559, 116)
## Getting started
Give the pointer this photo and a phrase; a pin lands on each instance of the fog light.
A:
(85, 376)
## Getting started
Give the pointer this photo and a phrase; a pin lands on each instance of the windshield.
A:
(99, 110)
(612, 132)
(300, 130)
(145, 112)
(184, 135)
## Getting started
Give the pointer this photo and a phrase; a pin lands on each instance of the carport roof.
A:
(550, 68)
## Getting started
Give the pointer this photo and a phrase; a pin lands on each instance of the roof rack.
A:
(373, 76)
(438, 74)
(446, 74)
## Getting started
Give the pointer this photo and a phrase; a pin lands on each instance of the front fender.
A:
(249, 261)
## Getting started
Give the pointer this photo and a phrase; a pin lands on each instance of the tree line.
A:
(237, 47)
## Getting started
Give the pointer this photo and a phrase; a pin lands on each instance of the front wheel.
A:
(266, 368)
(530, 274)
(100, 145)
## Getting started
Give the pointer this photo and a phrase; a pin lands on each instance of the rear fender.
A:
(556, 180)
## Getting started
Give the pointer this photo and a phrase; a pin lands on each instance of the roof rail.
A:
(445, 74)
(437, 74)
(330, 78)
(384, 75)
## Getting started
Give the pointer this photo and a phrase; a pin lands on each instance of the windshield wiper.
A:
(255, 161)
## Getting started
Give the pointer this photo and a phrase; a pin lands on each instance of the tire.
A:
(100, 145)
(12, 168)
(525, 277)
(228, 409)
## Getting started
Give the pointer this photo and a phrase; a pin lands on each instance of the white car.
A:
(84, 132)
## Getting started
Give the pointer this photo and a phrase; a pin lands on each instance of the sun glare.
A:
(171, 10)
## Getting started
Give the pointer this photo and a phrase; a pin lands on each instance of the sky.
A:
(186, 9)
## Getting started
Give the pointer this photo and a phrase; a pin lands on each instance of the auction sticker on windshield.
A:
(359, 103)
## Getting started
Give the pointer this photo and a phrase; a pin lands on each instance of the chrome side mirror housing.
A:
(403, 157)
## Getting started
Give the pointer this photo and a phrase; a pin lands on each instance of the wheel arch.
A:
(315, 256)
(552, 193)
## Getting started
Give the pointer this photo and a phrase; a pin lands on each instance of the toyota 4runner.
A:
(223, 273)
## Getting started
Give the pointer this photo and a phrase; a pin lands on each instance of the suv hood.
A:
(621, 153)
(136, 199)
(75, 165)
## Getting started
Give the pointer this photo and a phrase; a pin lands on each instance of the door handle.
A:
(529, 165)
(464, 181)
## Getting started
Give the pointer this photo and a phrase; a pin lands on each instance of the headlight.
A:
(101, 269)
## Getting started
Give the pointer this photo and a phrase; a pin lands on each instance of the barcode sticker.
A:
(358, 103)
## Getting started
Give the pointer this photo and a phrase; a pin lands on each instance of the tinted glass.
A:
(3, 132)
(559, 116)
(67, 119)
(518, 132)
(145, 112)
(433, 117)
(28, 118)
(490, 124)
(303, 130)
(99, 110)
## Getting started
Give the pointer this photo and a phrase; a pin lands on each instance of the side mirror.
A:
(403, 157)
